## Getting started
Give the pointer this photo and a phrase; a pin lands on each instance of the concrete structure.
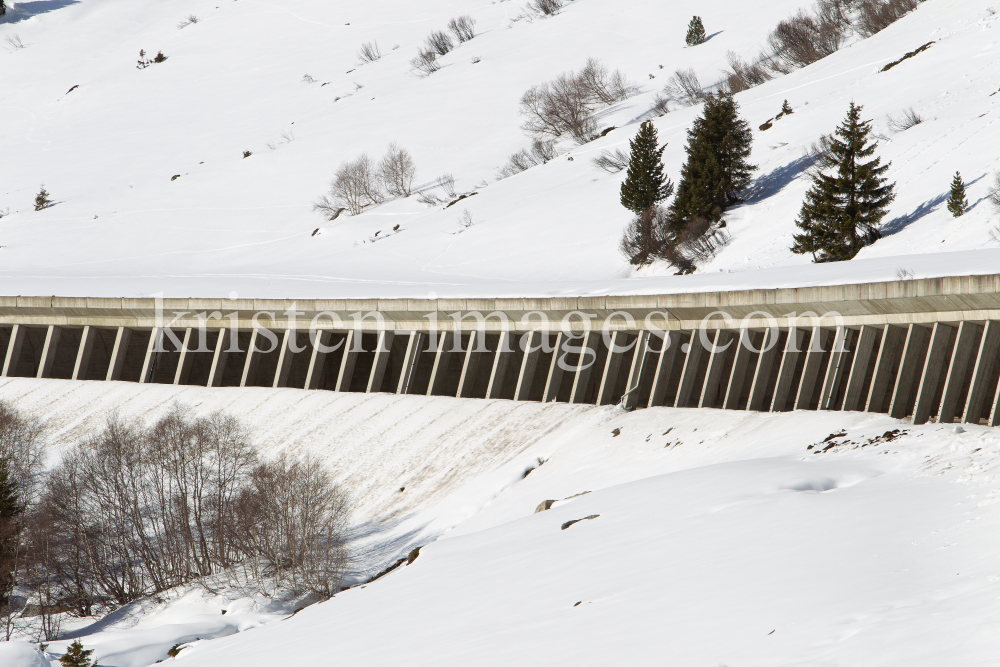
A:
(926, 349)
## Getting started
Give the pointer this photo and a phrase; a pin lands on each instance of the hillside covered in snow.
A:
(152, 192)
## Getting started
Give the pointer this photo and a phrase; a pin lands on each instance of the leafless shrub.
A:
(539, 153)
(661, 105)
(308, 79)
(611, 161)
(819, 155)
(744, 76)
(355, 185)
(546, 7)
(904, 274)
(429, 199)
(645, 237)
(603, 86)
(463, 27)
(803, 39)
(369, 52)
(447, 183)
(684, 87)
(439, 42)
(426, 63)
(397, 170)
(994, 193)
(466, 219)
(877, 15)
(697, 243)
(191, 19)
(907, 119)
(14, 41)
(557, 108)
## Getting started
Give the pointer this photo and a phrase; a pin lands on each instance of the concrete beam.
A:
(317, 357)
(762, 374)
(529, 362)
(183, 372)
(347, 361)
(909, 367)
(722, 343)
(554, 378)
(859, 367)
(961, 354)
(410, 358)
(786, 371)
(669, 345)
(889, 350)
(82, 364)
(937, 352)
(49, 351)
(17, 336)
(810, 369)
(219, 358)
(117, 361)
(501, 360)
(581, 378)
(834, 369)
(637, 371)
(612, 365)
(978, 387)
(381, 362)
(741, 362)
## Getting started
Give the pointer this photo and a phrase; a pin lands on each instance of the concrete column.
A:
(87, 337)
(937, 353)
(500, 362)
(581, 379)
(636, 372)
(762, 374)
(317, 358)
(739, 373)
(689, 370)
(786, 371)
(440, 358)
(49, 351)
(859, 367)
(410, 359)
(285, 355)
(609, 378)
(184, 361)
(526, 375)
(961, 354)
(381, 361)
(664, 367)
(811, 368)
(994, 418)
(554, 378)
(117, 361)
(219, 358)
(470, 365)
(347, 361)
(17, 335)
(152, 356)
(986, 357)
(835, 369)
(892, 340)
(909, 365)
(722, 343)
(252, 360)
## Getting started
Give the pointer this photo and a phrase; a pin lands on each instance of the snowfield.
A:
(107, 149)
(721, 537)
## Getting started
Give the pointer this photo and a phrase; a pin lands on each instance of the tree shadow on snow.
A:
(775, 181)
(25, 10)
(900, 223)
(713, 35)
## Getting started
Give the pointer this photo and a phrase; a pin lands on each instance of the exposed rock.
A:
(544, 505)
(570, 523)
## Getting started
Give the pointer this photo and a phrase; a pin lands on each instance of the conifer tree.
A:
(842, 212)
(10, 530)
(785, 109)
(957, 203)
(42, 199)
(696, 32)
(645, 183)
(3, 8)
(716, 171)
(76, 656)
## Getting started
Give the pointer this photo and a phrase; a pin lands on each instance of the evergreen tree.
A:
(42, 199)
(716, 171)
(957, 203)
(696, 32)
(3, 8)
(842, 212)
(10, 530)
(76, 656)
(645, 184)
(785, 109)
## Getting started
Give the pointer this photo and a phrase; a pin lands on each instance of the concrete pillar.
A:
(184, 361)
(554, 378)
(859, 367)
(664, 367)
(317, 358)
(440, 359)
(986, 357)
(49, 351)
(87, 337)
(252, 360)
(722, 343)
(219, 358)
(470, 365)
(117, 361)
(762, 374)
(994, 418)
(835, 369)
(689, 370)
(17, 335)
(410, 359)
(937, 353)
(526, 374)
(909, 365)
(500, 362)
(892, 341)
(285, 355)
(961, 354)
(741, 362)
(811, 368)
(381, 361)
(636, 371)
(152, 356)
(786, 371)
(612, 365)
(581, 379)
(347, 361)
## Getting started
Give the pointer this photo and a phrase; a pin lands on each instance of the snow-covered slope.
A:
(233, 81)
(722, 537)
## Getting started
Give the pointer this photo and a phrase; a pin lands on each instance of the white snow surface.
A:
(721, 537)
(233, 81)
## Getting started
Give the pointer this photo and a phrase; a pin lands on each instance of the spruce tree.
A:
(842, 212)
(645, 183)
(3, 8)
(785, 109)
(716, 171)
(10, 530)
(696, 32)
(76, 656)
(957, 203)
(42, 199)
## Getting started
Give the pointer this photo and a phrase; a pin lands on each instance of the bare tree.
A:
(743, 75)
(563, 106)
(397, 170)
(907, 119)
(645, 237)
(369, 52)
(603, 86)
(439, 42)
(463, 27)
(684, 87)
(447, 183)
(820, 155)
(611, 161)
(426, 62)
(802, 39)
(994, 192)
(546, 7)
(877, 15)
